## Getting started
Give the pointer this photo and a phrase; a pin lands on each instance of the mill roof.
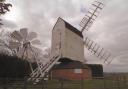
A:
(70, 27)
(73, 29)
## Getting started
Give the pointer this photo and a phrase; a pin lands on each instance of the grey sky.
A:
(109, 30)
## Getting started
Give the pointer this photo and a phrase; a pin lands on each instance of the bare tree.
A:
(4, 7)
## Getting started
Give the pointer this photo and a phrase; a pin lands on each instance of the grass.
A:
(86, 84)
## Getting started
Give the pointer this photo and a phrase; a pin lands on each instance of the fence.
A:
(106, 83)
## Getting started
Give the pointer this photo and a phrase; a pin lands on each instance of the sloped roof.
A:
(70, 64)
(73, 29)
(70, 27)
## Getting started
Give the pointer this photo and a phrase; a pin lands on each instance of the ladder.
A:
(38, 74)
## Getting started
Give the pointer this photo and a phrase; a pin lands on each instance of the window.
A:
(77, 70)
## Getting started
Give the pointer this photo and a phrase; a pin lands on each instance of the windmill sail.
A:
(91, 15)
(98, 51)
(24, 32)
(23, 39)
(16, 35)
(36, 42)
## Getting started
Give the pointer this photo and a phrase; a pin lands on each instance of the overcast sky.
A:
(109, 30)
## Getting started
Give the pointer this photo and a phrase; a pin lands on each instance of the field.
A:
(64, 84)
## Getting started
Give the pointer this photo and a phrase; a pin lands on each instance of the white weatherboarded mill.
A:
(67, 41)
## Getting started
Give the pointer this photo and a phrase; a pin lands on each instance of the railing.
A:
(106, 83)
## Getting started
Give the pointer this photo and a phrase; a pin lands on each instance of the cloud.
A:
(40, 16)
(9, 24)
(109, 30)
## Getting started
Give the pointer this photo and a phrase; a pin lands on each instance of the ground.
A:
(64, 84)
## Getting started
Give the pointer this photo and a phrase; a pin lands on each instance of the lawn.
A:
(63, 84)
(83, 84)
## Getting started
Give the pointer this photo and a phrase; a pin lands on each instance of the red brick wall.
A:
(70, 74)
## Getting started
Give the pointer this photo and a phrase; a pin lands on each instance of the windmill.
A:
(68, 42)
(23, 43)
